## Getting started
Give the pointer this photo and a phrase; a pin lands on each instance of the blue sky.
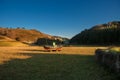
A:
(58, 17)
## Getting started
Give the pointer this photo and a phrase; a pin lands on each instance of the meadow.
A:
(33, 63)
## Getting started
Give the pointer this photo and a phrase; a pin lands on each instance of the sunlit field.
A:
(11, 43)
(34, 63)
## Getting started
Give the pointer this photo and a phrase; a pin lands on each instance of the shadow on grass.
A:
(54, 67)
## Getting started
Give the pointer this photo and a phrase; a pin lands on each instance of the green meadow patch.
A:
(55, 67)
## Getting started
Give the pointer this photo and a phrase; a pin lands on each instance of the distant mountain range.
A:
(24, 35)
(103, 34)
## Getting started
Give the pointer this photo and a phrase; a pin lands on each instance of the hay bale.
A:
(108, 58)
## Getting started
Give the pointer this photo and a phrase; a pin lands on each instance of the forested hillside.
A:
(104, 34)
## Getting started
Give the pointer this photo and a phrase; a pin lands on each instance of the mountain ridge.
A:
(103, 34)
(25, 35)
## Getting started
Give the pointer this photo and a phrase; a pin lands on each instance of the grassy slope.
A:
(4, 38)
(11, 43)
(22, 34)
(41, 66)
(5, 41)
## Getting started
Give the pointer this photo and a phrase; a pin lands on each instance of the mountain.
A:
(26, 36)
(23, 35)
(103, 34)
(114, 24)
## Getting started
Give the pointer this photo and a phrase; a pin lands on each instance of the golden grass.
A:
(8, 53)
(11, 43)
(33, 63)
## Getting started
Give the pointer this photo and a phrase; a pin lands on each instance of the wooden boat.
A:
(53, 48)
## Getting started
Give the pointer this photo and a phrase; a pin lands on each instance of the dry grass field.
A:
(34, 63)
(7, 53)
